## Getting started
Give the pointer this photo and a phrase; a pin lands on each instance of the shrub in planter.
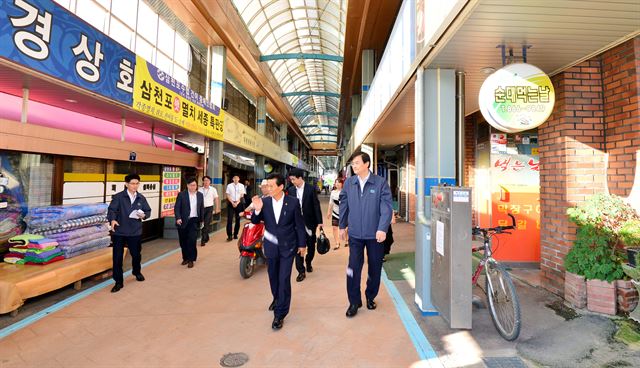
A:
(630, 238)
(599, 220)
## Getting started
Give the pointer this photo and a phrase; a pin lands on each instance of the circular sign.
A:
(517, 97)
(268, 168)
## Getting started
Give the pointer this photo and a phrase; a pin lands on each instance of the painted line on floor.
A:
(76, 297)
(423, 347)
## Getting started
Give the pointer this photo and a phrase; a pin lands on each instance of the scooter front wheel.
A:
(246, 267)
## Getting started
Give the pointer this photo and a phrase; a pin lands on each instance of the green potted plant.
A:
(595, 254)
(630, 238)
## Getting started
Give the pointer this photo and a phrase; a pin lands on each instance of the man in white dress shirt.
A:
(235, 194)
(211, 206)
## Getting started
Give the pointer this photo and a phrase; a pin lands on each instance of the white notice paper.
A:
(135, 214)
(460, 196)
(440, 238)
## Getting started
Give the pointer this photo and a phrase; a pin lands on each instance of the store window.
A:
(25, 181)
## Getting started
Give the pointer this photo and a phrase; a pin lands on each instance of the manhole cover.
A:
(234, 359)
(504, 362)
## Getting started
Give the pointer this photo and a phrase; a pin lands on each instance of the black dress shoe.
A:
(277, 323)
(116, 288)
(139, 277)
(353, 310)
(272, 306)
(309, 268)
(183, 263)
(203, 244)
(229, 238)
(235, 236)
(190, 264)
(301, 276)
(371, 304)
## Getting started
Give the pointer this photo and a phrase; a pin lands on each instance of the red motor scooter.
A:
(250, 247)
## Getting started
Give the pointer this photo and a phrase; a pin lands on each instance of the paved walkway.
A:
(184, 317)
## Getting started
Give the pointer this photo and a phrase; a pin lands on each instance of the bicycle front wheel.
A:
(503, 301)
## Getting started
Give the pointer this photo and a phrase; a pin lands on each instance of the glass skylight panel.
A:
(147, 23)
(93, 14)
(121, 33)
(299, 14)
(252, 8)
(182, 54)
(257, 22)
(126, 11)
(145, 49)
(165, 37)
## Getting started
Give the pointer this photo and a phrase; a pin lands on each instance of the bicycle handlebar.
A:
(498, 229)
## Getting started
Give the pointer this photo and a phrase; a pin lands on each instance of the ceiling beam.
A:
(301, 55)
(319, 113)
(310, 93)
(331, 152)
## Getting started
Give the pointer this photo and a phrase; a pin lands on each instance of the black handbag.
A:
(322, 244)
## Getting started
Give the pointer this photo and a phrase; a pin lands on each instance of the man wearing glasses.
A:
(126, 212)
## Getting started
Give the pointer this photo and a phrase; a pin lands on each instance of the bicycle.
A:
(501, 294)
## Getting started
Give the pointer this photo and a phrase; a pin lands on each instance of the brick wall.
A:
(620, 70)
(596, 110)
(571, 161)
(470, 123)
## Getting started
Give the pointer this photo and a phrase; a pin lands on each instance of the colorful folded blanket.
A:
(86, 247)
(69, 225)
(48, 245)
(55, 259)
(46, 217)
(42, 254)
(83, 239)
(14, 260)
(38, 250)
(42, 241)
(25, 238)
(19, 249)
(43, 260)
(80, 233)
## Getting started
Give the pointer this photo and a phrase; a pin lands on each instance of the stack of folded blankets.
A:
(37, 251)
(77, 229)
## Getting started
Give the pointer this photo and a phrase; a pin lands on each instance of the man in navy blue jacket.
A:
(366, 208)
(284, 236)
(312, 215)
(126, 212)
(189, 210)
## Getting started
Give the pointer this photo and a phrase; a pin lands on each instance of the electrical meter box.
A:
(451, 254)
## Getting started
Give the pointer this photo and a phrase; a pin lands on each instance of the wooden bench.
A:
(21, 282)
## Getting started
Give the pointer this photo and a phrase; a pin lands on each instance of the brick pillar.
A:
(470, 123)
(620, 76)
(571, 162)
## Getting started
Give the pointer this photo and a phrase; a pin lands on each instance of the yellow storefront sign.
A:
(243, 136)
(159, 95)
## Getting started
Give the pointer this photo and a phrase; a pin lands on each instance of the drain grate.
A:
(504, 362)
(234, 359)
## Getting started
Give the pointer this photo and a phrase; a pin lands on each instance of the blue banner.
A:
(48, 38)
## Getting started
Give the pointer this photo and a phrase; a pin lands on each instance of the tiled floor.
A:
(184, 317)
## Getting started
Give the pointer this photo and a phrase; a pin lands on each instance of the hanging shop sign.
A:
(517, 97)
(161, 96)
(241, 135)
(170, 189)
(47, 38)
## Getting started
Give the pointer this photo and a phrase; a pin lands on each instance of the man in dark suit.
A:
(189, 212)
(126, 212)
(284, 235)
(312, 215)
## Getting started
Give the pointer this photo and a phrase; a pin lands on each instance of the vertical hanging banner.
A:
(170, 189)
(161, 96)
(45, 37)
